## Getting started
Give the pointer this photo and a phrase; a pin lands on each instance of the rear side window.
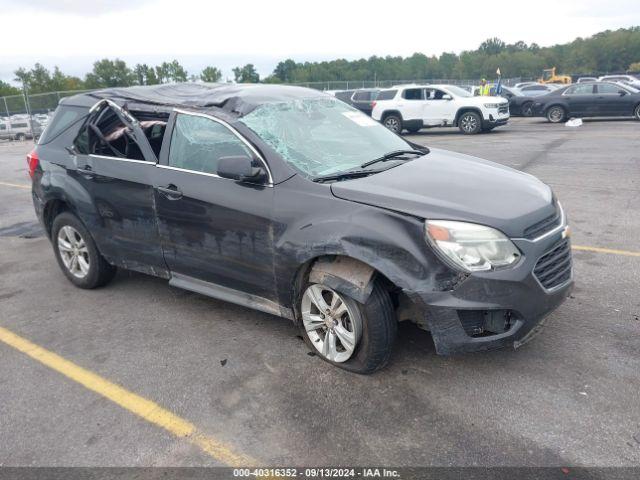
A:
(198, 143)
(364, 96)
(19, 125)
(413, 94)
(387, 94)
(63, 118)
(580, 89)
(345, 95)
(609, 88)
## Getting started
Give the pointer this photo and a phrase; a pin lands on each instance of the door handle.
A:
(170, 191)
(86, 171)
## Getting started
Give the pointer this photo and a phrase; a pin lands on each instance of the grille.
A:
(503, 108)
(543, 226)
(554, 267)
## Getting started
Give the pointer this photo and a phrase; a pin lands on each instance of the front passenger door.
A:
(213, 230)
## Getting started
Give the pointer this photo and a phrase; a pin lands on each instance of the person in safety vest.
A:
(485, 89)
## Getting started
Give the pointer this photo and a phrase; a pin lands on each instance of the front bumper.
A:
(515, 294)
(495, 120)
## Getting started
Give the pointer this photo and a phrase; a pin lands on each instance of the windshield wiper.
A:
(392, 155)
(345, 175)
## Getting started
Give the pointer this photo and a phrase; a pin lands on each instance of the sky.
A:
(74, 33)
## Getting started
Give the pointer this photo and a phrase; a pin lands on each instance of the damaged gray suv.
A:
(288, 201)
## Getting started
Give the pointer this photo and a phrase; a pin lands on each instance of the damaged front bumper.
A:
(503, 308)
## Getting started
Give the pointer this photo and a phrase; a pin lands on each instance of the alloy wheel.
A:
(469, 123)
(392, 124)
(73, 251)
(333, 327)
(556, 114)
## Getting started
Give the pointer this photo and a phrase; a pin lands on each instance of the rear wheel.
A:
(556, 114)
(393, 122)
(470, 123)
(527, 109)
(351, 335)
(77, 254)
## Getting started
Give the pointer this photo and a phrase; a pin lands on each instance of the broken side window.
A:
(106, 134)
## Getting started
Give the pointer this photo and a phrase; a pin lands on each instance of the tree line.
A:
(608, 51)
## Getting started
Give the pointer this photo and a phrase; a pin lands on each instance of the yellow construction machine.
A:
(549, 76)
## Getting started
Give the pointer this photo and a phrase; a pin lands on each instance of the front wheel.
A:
(470, 123)
(351, 335)
(393, 122)
(527, 109)
(556, 114)
(77, 254)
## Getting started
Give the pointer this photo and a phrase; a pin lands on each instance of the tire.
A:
(556, 114)
(637, 112)
(373, 325)
(526, 109)
(393, 122)
(71, 239)
(470, 123)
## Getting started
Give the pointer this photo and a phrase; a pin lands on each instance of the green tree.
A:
(246, 74)
(6, 89)
(492, 46)
(171, 72)
(210, 74)
(144, 74)
(109, 73)
(285, 70)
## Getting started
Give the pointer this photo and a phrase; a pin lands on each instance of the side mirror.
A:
(240, 168)
(446, 96)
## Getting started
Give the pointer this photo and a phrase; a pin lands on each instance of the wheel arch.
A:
(463, 110)
(52, 208)
(386, 113)
(341, 272)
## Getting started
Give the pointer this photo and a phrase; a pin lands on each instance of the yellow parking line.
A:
(606, 250)
(146, 409)
(15, 185)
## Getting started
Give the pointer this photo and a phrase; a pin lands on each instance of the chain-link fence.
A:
(355, 84)
(25, 116)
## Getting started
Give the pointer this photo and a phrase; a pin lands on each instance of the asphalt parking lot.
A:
(245, 383)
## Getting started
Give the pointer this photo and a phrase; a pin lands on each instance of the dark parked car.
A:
(519, 104)
(593, 99)
(362, 99)
(287, 201)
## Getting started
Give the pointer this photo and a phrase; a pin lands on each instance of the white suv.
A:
(412, 107)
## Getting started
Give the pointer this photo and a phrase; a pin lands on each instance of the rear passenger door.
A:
(115, 165)
(216, 232)
(412, 104)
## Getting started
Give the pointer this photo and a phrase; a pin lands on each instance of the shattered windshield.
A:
(322, 136)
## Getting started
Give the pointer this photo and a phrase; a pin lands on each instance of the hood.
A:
(482, 99)
(445, 185)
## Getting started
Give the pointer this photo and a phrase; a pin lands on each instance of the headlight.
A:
(491, 105)
(472, 247)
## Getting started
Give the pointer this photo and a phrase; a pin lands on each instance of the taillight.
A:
(32, 160)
